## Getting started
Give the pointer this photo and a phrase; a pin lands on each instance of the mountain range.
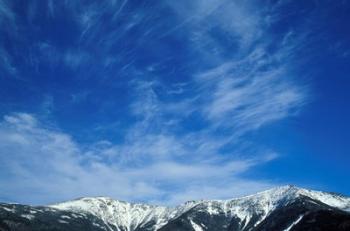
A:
(286, 208)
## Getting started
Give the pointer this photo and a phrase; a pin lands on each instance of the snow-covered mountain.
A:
(120, 215)
(281, 208)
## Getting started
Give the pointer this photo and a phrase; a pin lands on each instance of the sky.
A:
(168, 101)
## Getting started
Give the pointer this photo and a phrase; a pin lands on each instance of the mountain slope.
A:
(281, 208)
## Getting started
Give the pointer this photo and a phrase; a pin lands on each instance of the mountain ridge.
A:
(287, 206)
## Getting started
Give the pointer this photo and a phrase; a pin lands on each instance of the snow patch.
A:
(28, 216)
(294, 223)
(195, 226)
(62, 221)
(9, 210)
(65, 217)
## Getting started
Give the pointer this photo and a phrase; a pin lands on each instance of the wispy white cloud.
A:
(6, 62)
(51, 7)
(7, 25)
(37, 158)
(76, 59)
(6, 12)
(247, 89)
(120, 4)
(250, 98)
(239, 22)
(88, 16)
(48, 54)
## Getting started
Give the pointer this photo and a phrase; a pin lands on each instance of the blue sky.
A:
(168, 101)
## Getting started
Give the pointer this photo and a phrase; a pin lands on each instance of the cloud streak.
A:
(248, 99)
